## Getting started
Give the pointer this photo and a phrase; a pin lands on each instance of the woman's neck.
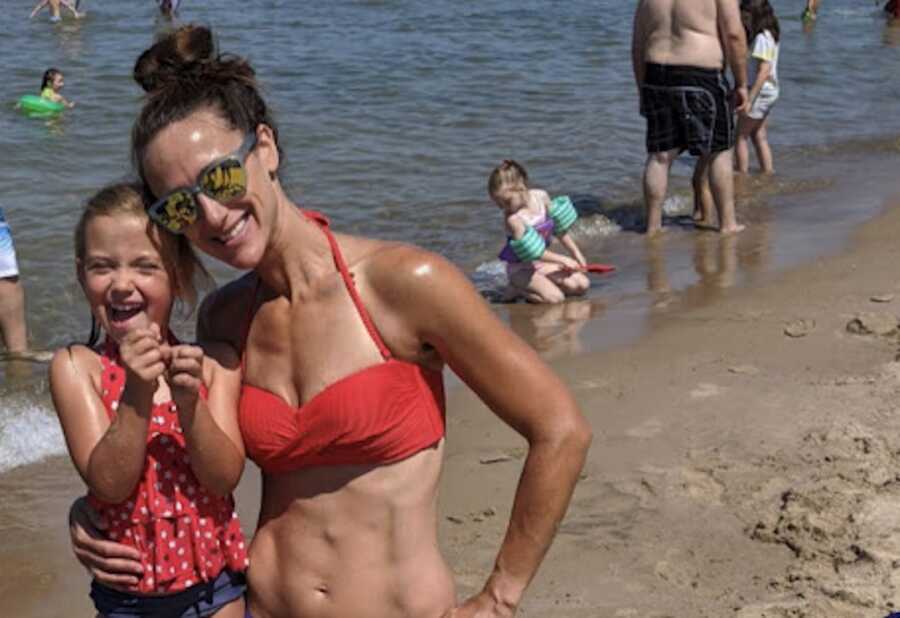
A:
(298, 253)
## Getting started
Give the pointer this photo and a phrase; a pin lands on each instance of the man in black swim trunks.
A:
(679, 51)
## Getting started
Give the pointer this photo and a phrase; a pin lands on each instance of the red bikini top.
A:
(377, 415)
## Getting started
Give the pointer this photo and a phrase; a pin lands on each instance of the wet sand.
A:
(746, 459)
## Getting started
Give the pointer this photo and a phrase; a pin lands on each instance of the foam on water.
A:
(29, 432)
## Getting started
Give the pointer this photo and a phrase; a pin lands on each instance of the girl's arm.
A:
(763, 69)
(516, 227)
(210, 426)
(38, 7)
(437, 305)
(108, 456)
(572, 247)
(71, 6)
(562, 260)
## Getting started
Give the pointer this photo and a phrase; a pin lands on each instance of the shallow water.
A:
(393, 113)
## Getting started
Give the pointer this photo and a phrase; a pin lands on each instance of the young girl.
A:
(52, 83)
(150, 422)
(762, 29)
(536, 273)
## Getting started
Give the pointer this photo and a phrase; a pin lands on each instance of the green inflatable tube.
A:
(33, 104)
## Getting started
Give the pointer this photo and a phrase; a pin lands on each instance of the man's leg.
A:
(721, 179)
(12, 315)
(656, 180)
(703, 198)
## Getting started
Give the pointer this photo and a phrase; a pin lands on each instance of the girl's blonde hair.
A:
(507, 174)
(178, 257)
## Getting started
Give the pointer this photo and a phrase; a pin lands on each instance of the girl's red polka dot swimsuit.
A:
(185, 534)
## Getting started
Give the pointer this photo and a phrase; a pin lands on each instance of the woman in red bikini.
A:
(343, 340)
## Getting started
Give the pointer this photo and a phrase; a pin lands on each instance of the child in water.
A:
(150, 422)
(532, 219)
(54, 9)
(168, 8)
(52, 83)
(811, 11)
(763, 31)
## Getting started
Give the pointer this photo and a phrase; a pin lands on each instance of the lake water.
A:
(392, 114)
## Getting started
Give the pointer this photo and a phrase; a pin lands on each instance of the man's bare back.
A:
(681, 32)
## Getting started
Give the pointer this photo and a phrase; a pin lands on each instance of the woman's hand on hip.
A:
(110, 563)
(481, 606)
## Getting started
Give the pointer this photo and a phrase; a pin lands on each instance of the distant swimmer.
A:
(52, 83)
(892, 9)
(54, 9)
(811, 11)
(168, 7)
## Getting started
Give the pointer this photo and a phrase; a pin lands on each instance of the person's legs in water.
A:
(761, 143)
(12, 315)
(656, 182)
(721, 180)
(742, 146)
(753, 129)
(704, 205)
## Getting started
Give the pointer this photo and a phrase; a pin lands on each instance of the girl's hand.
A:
(110, 563)
(143, 357)
(185, 376)
(570, 263)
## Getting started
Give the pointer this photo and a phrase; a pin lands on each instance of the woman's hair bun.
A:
(182, 53)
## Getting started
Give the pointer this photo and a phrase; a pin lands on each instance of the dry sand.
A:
(746, 463)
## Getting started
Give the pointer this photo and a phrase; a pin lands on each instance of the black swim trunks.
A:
(687, 108)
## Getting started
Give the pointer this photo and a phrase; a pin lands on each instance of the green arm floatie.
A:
(563, 214)
(530, 247)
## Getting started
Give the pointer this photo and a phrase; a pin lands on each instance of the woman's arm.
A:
(210, 426)
(108, 456)
(110, 563)
(441, 308)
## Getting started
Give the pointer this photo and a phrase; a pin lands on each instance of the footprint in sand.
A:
(648, 429)
(705, 390)
(701, 485)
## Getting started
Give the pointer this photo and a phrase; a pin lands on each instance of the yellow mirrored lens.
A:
(179, 211)
(225, 181)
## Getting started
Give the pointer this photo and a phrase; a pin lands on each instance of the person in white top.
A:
(762, 29)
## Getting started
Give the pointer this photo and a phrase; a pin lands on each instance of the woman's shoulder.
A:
(402, 272)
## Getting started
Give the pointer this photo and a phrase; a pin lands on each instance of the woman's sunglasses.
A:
(223, 180)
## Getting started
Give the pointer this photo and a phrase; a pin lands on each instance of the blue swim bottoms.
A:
(9, 267)
(196, 602)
